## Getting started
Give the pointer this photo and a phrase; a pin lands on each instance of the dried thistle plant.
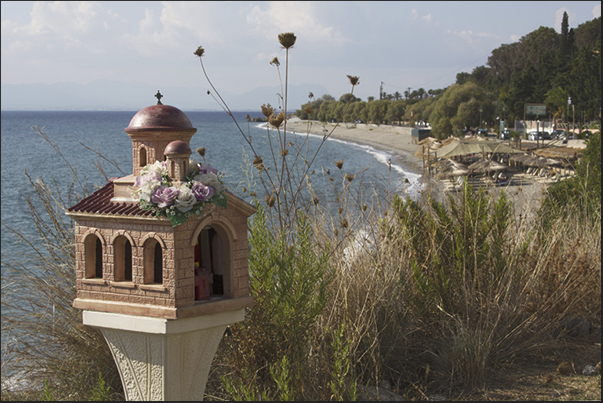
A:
(277, 120)
(270, 200)
(287, 39)
(353, 80)
(339, 164)
(267, 110)
(199, 52)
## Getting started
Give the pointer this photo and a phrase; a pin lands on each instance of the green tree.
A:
(377, 111)
(459, 107)
(395, 111)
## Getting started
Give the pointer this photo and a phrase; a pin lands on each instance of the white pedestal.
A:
(163, 359)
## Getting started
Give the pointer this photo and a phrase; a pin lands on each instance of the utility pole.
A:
(381, 90)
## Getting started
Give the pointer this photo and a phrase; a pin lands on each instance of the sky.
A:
(395, 46)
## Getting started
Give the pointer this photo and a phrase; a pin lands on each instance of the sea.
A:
(85, 143)
(81, 142)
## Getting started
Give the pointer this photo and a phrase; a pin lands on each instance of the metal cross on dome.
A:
(158, 96)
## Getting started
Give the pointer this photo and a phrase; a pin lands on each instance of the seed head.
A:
(257, 160)
(201, 151)
(199, 52)
(287, 39)
(284, 152)
(316, 200)
(267, 110)
(353, 80)
(247, 117)
(339, 163)
(277, 120)
(270, 200)
(275, 62)
(344, 223)
(349, 177)
(310, 95)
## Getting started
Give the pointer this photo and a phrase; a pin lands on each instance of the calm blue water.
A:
(24, 150)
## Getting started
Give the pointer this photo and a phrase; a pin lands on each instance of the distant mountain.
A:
(114, 95)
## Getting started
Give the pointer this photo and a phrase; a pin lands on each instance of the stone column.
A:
(163, 359)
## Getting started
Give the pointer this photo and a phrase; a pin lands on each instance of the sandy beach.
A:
(525, 190)
(394, 139)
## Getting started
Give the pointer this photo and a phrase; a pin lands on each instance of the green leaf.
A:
(219, 200)
(178, 218)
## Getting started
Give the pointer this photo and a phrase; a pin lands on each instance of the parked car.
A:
(559, 135)
(534, 135)
(482, 132)
(546, 135)
(359, 121)
(505, 134)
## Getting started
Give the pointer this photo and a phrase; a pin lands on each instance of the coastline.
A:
(526, 191)
(392, 139)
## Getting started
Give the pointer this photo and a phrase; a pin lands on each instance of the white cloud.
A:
(470, 37)
(60, 26)
(297, 17)
(428, 18)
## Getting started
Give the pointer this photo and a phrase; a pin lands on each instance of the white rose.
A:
(210, 179)
(147, 189)
(185, 200)
(158, 167)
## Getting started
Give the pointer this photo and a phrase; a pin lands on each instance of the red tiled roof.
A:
(100, 202)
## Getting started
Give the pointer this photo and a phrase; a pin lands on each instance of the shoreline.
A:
(395, 140)
(525, 192)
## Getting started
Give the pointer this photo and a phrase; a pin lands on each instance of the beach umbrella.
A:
(450, 168)
(502, 148)
(487, 166)
(427, 140)
(540, 162)
(459, 148)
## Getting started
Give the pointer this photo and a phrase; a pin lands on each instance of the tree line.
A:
(561, 70)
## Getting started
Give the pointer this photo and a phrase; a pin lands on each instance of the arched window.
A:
(158, 264)
(211, 259)
(153, 262)
(122, 251)
(142, 157)
(93, 251)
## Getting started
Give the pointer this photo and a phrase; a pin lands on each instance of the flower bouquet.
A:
(154, 191)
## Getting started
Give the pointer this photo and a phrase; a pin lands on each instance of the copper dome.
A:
(177, 147)
(160, 118)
